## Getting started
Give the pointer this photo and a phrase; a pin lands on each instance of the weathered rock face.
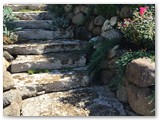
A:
(81, 33)
(40, 34)
(113, 20)
(34, 15)
(112, 34)
(11, 96)
(48, 61)
(7, 56)
(6, 63)
(85, 9)
(99, 20)
(79, 19)
(43, 47)
(137, 98)
(12, 110)
(7, 81)
(91, 101)
(126, 12)
(122, 94)
(50, 82)
(141, 72)
(106, 26)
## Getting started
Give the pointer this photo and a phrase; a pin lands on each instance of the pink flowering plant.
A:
(140, 29)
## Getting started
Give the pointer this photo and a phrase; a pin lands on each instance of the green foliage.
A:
(100, 54)
(37, 71)
(140, 29)
(8, 26)
(58, 9)
(60, 23)
(107, 10)
(121, 63)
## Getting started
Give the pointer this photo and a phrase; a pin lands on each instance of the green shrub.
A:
(8, 26)
(99, 55)
(60, 23)
(106, 10)
(57, 9)
(37, 71)
(140, 29)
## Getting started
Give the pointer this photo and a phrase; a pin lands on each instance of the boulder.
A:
(113, 20)
(90, 23)
(96, 31)
(122, 94)
(7, 56)
(112, 34)
(79, 19)
(99, 20)
(6, 63)
(139, 101)
(106, 26)
(126, 12)
(77, 9)
(12, 110)
(8, 82)
(141, 72)
(81, 33)
(85, 9)
(11, 96)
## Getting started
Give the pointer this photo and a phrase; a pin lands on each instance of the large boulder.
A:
(112, 34)
(139, 101)
(113, 20)
(81, 33)
(8, 82)
(12, 110)
(79, 19)
(90, 23)
(11, 96)
(141, 72)
(99, 20)
(106, 26)
(126, 12)
(7, 56)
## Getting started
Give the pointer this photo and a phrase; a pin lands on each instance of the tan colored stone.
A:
(141, 72)
(48, 61)
(137, 98)
(6, 63)
(8, 82)
(11, 96)
(43, 47)
(90, 101)
(12, 110)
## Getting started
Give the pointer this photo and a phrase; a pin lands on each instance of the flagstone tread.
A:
(55, 80)
(18, 7)
(48, 61)
(88, 101)
(34, 15)
(33, 24)
(40, 34)
(46, 46)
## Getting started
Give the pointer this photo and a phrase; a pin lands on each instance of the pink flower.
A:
(142, 10)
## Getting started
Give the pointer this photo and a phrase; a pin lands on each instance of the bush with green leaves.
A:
(60, 23)
(107, 10)
(57, 9)
(8, 26)
(140, 29)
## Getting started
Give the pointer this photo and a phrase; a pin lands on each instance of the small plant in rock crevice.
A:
(37, 71)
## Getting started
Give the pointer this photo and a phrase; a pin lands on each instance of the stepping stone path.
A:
(65, 89)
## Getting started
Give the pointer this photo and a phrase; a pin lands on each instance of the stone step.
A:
(47, 61)
(34, 15)
(43, 47)
(18, 7)
(40, 83)
(88, 101)
(40, 34)
(34, 24)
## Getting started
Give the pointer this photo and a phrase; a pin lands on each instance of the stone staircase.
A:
(65, 90)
